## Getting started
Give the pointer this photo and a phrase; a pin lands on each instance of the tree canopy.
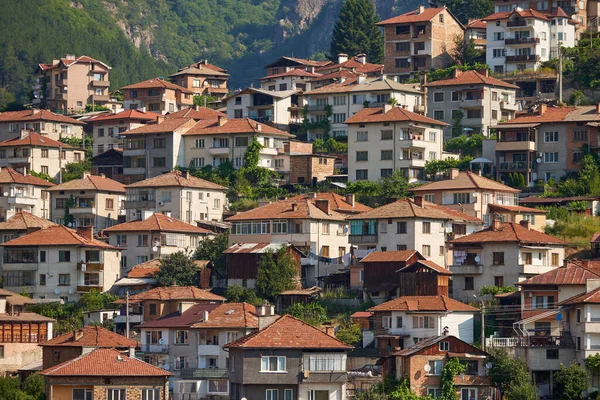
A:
(465, 52)
(572, 381)
(212, 249)
(178, 269)
(509, 374)
(463, 10)
(276, 272)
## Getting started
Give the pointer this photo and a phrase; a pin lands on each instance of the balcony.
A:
(475, 102)
(412, 163)
(89, 288)
(516, 23)
(155, 348)
(419, 108)
(315, 107)
(100, 83)
(62, 82)
(506, 105)
(530, 40)
(529, 269)
(523, 58)
(21, 199)
(514, 166)
(407, 143)
(362, 239)
(82, 210)
(60, 96)
(592, 327)
(90, 266)
(219, 151)
(209, 350)
(142, 202)
(133, 319)
(269, 151)
(100, 97)
(134, 171)
(524, 145)
(564, 340)
(204, 373)
(460, 269)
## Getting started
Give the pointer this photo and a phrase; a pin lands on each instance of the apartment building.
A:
(312, 365)
(414, 140)
(478, 99)
(279, 107)
(156, 95)
(520, 40)
(419, 41)
(22, 223)
(286, 64)
(69, 84)
(97, 201)
(20, 192)
(358, 65)
(501, 255)
(179, 195)
(107, 128)
(33, 152)
(411, 224)
(340, 101)
(59, 263)
(294, 79)
(109, 164)
(203, 79)
(196, 113)
(476, 30)
(469, 193)
(43, 122)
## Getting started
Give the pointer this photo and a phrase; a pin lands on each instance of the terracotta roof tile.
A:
(471, 78)
(509, 232)
(497, 16)
(301, 61)
(465, 181)
(395, 114)
(23, 221)
(105, 363)
(189, 317)
(293, 72)
(234, 126)
(158, 223)
(206, 64)
(574, 273)
(57, 235)
(337, 203)
(167, 126)
(386, 256)
(433, 341)
(335, 75)
(177, 293)
(176, 179)
(230, 315)
(92, 336)
(146, 269)
(126, 115)
(288, 332)
(352, 64)
(423, 303)
(518, 209)
(413, 16)
(197, 114)
(9, 175)
(199, 70)
(36, 115)
(591, 297)
(430, 264)
(552, 114)
(15, 299)
(91, 182)
(25, 317)
(157, 83)
(34, 139)
(476, 24)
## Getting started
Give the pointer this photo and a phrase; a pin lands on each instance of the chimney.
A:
(457, 72)
(77, 335)
(187, 174)
(222, 120)
(591, 284)
(70, 56)
(350, 199)
(323, 205)
(342, 58)
(484, 72)
(204, 316)
(361, 78)
(102, 176)
(387, 107)
(24, 133)
(361, 58)
(419, 201)
(86, 174)
(294, 206)
(445, 331)
(259, 127)
(160, 118)
(524, 223)
(329, 329)
(543, 108)
(454, 173)
(86, 232)
(184, 306)
(421, 9)
(497, 223)
(266, 316)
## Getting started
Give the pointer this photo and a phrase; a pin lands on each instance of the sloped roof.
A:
(476, 24)
(158, 223)
(124, 115)
(105, 363)
(9, 175)
(388, 256)
(369, 85)
(230, 315)
(574, 273)
(196, 113)
(518, 209)
(466, 180)
(423, 303)
(189, 317)
(293, 72)
(34, 139)
(301, 61)
(288, 332)
(16, 299)
(429, 264)
(168, 125)
(36, 115)
(354, 65)
(199, 70)
(336, 202)
(92, 336)
(471, 78)
(57, 235)
(146, 269)
(253, 248)
(176, 179)
(434, 340)
(165, 293)
(23, 220)
(335, 75)
(509, 232)
(413, 16)
(67, 62)
(91, 182)
(157, 83)
(395, 114)
(552, 114)
(233, 126)
(591, 297)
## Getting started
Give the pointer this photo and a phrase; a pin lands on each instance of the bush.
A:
(311, 313)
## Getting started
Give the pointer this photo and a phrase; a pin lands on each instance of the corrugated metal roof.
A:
(257, 248)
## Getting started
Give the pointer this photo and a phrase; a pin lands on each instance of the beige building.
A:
(43, 122)
(179, 195)
(107, 128)
(279, 107)
(69, 84)
(33, 152)
(59, 263)
(419, 41)
(384, 139)
(22, 223)
(99, 202)
(20, 192)
(155, 237)
(203, 79)
(156, 95)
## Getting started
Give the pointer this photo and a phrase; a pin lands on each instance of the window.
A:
(462, 198)
(288, 394)
(142, 240)
(217, 386)
(468, 394)
(543, 302)
(217, 204)
(272, 394)
(44, 169)
(498, 258)
(91, 279)
(326, 362)
(580, 135)
(181, 337)
(469, 283)
(401, 227)
(551, 157)
(554, 259)
(438, 97)
(64, 279)
(577, 156)
(550, 137)
(497, 53)
(433, 137)
(339, 118)
(64, 256)
(362, 136)
(426, 250)
(159, 162)
(434, 392)
(423, 322)
(82, 394)
(325, 251)
(12, 127)
(339, 100)
(362, 174)
(385, 172)
(402, 63)
(498, 36)
(386, 322)
(426, 227)
(444, 346)
(552, 354)
(362, 156)
(499, 281)
(387, 135)
(325, 229)
(60, 203)
(241, 142)
(438, 115)
(436, 367)
(272, 364)
(152, 311)
(181, 362)
(403, 46)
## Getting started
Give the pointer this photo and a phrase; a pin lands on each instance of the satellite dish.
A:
(71, 291)
(5, 194)
(538, 160)
(488, 365)
(427, 367)
(475, 194)
(161, 341)
(155, 249)
(409, 59)
(166, 366)
(70, 224)
(56, 291)
(477, 259)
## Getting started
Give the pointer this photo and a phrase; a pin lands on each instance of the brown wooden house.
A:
(423, 278)
(380, 278)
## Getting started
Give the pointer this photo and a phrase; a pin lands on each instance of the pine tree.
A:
(355, 31)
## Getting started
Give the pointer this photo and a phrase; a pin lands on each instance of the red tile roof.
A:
(105, 363)
(336, 202)
(9, 175)
(430, 264)
(91, 182)
(70, 61)
(34, 139)
(165, 293)
(23, 221)
(146, 269)
(476, 24)
(413, 16)
(591, 297)
(158, 223)
(350, 76)
(552, 114)
(423, 303)
(58, 235)
(167, 126)
(465, 181)
(574, 273)
(124, 115)
(387, 256)
(92, 336)
(395, 114)
(497, 16)
(15, 299)
(234, 126)
(302, 61)
(191, 316)
(354, 65)
(471, 78)
(176, 179)
(288, 332)
(196, 113)
(230, 315)
(36, 115)
(293, 72)
(157, 83)
(509, 232)
(517, 209)
(362, 314)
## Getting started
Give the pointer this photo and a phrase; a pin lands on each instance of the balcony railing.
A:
(532, 341)
(530, 40)
(90, 266)
(89, 288)
(204, 373)
(315, 107)
(523, 57)
(362, 239)
(519, 22)
(155, 348)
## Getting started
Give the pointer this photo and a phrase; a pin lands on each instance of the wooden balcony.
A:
(87, 289)
(90, 267)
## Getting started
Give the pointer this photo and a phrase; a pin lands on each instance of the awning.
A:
(465, 355)
(537, 247)
(135, 281)
(481, 160)
(514, 126)
(594, 124)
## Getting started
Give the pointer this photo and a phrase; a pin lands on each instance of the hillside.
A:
(145, 38)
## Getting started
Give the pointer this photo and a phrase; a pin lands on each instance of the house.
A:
(98, 317)
(274, 107)
(197, 113)
(156, 95)
(476, 31)
(180, 195)
(410, 224)
(203, 79)
(358, 65)
(74, 344)
(522, 39)
(71, 83)
(155, 237)
(287, 298)
(20, 192)
(422, 365)
(109, 164)
(22, 223)
(420, 40)
(294, 79)
(33, 152)
(592, 203)
(314, 223)
(107, 128)
(469, 193)
(106, 374)
(535, 216)
(288, 359)
(43, 122)
(243, 259)
(414, 140)
(501, 255)
(140, 278)
(478, 99)
(306, 168)
(44, 261)
(339, 101)
(21, 332)
(286, 64)
(97, 201)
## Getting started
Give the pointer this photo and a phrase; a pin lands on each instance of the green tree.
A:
(96, 300)
(451, 368)
(465, 52)
(252, 154)
(35, 387)
(69, 219)
(507, 372)
(522, 391)
(42, 175)
(349, 333)
(277, 271)
(572, 381)
(239, 294)
(463, 10)
(178, 269)
(203, 101)
(312, 313)
(355, 31)
(212, 250)
(75, 170)
(394, 186)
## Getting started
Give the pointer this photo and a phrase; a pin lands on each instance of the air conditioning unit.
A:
(539, 154)
(161, 203)
(528, 294)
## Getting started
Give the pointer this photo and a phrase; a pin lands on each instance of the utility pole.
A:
(560, 73)
(482, 325)
(127, 315)
(60, 174)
